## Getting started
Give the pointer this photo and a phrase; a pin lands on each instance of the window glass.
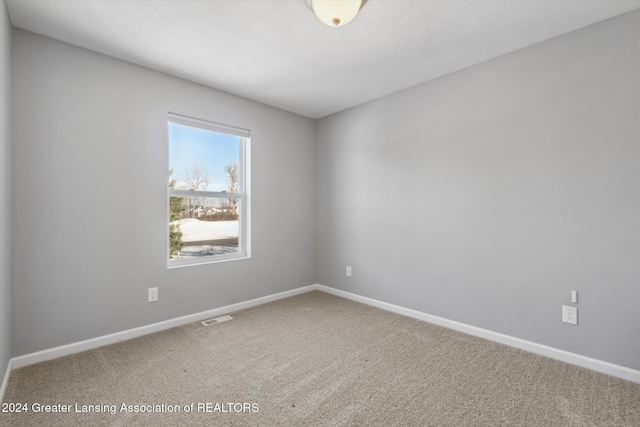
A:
(207, 197)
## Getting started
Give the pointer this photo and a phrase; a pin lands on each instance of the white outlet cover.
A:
(152, 295)
(570, 315)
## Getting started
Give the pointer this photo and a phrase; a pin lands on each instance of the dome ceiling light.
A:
(336, 13)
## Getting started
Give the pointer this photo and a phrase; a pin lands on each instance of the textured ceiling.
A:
(277, 53)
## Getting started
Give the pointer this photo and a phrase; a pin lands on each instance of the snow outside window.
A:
(208, 202)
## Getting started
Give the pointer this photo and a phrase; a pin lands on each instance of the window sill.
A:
(205, 260)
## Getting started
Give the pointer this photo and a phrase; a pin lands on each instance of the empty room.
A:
(320, 213)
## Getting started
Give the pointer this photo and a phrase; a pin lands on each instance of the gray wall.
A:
(5, 190)
(89, 197)
(488, 195)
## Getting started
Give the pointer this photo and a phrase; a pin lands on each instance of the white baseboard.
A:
(5, 380)
(554, 353)
(65, 350)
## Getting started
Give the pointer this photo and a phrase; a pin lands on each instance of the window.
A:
(208, 197)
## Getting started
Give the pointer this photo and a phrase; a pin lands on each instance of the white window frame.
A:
(244, 217)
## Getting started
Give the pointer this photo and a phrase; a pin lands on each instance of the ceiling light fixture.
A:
(336, 13)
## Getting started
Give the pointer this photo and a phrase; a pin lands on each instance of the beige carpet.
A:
(319, 360)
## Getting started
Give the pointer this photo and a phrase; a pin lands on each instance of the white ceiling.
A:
(277, 53)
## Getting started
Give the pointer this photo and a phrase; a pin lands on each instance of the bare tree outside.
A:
(233, 171)
(196, 179)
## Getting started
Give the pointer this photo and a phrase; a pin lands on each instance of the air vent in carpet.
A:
(216, 320)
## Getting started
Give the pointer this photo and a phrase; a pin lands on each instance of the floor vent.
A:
(216, 320)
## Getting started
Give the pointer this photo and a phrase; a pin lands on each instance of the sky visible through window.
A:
(209, 151)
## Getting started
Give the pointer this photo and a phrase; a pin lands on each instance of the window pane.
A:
(208, 165)
(203, 226)
(201, 159)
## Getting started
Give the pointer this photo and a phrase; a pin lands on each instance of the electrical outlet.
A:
(570, 314)
(348, 271)
(153, 294)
